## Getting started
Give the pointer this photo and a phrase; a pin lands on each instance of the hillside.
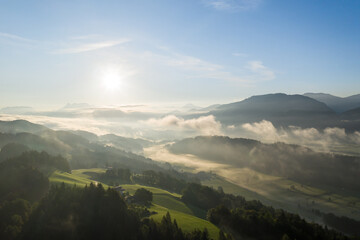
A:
(80, 152)
(188, 218)
(280, 109)
(26, 176)
(351, 115)
(18, 126)
(338, 104)
(278, 159)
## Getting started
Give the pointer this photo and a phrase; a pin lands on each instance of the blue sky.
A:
(199, 51)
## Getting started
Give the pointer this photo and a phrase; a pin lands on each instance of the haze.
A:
(186, 120)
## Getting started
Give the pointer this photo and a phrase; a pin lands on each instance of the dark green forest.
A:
(31, 209)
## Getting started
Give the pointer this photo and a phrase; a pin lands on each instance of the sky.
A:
(167, 51)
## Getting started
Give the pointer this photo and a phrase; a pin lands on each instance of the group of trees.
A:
(143, 196)
(13, 214)
(114, 176)
(95, 213)
(344, 224)
(161, 180)
(168, 229)
(26, 176)
(252, 218)
(29, 210)
(267, 223)
(23, 181)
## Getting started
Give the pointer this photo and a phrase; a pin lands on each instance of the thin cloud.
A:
(263, 72)
(90, 47)
(265, 131)
(15, 37)
(193, 63)
(199, 68)
(233, 5)
(206, 125)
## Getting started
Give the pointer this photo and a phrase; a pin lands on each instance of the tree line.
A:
(95, 213)
(252, 219)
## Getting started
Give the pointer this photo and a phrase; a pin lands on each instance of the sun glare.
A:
(112, 80)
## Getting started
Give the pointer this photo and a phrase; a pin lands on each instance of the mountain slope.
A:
(81, 152)
(279, 159)
(338, 104)
(163, 201)
(18, 126)
(281, 109)
(353, 114)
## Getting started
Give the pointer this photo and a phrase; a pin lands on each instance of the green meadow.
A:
(187, 217)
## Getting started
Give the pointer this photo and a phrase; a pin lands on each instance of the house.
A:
(121, 190)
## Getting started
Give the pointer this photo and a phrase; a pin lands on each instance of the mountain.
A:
(18, 126)
(134, 145)
(211, 107)
(12, 150)
(80, 152)
(351, 115)
(190, 107)
(281, 109)
(338, 104)
(126, 144)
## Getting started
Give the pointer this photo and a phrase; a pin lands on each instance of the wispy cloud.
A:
(15, 37)
(262, 72)
(75, 44)
(205, 69)
(254, 71)
(86, 47)
(233, 5)
(192, 63)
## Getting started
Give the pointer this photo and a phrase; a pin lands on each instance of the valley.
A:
(276, 191)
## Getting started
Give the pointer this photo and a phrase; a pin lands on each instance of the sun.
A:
(112, 79)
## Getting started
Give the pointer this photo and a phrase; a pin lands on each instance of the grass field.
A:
(187, 217)
(77, 177)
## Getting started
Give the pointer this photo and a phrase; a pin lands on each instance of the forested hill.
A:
(278, 159)
(281, 109)
(82, 149)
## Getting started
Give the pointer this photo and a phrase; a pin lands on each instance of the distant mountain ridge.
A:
(18, 126)
(281, 109)
(338, 104)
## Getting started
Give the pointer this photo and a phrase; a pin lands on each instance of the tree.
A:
(143, 196)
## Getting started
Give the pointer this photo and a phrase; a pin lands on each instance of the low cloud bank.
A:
(265, 131)
(145, 122)
(206, 125)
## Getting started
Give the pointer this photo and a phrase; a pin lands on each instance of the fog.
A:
(167, 123)
(319, 139)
